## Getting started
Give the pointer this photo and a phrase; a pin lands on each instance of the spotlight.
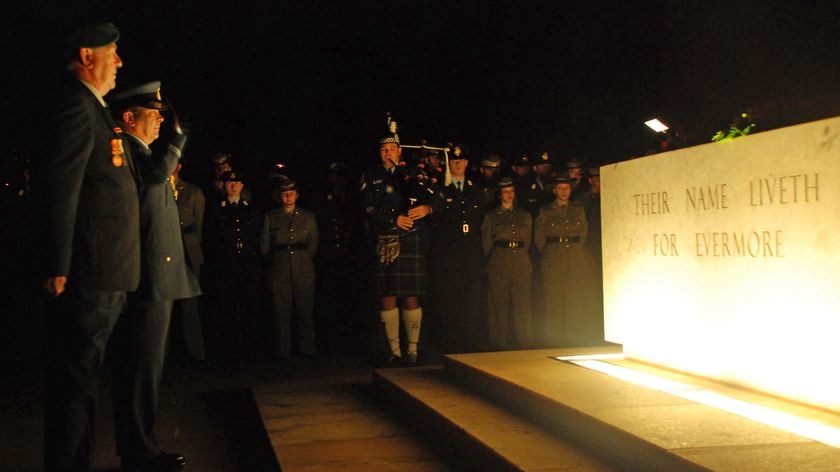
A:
(656, 125)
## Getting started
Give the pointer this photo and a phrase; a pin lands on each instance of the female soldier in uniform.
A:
(559, 233)
(505, 237)
(288, 239)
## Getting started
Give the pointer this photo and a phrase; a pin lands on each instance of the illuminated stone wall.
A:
(723, 260)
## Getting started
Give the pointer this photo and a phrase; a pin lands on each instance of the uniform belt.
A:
(562, 239)
(187, 229)
(287, 247)
(510, 244)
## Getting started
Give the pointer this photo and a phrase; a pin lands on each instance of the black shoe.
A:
(165, 462)
(392, 361)
(411, 358)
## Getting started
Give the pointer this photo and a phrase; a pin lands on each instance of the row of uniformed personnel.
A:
(466, 310)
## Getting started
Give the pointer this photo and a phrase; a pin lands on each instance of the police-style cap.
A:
(492, 161)
(221, 158)
(505, 182)
(457, 152)
(230, 176)
(573, 164)
(521, 160)
(337, 167)
(91, 35)
(145, 95)
(543, 158)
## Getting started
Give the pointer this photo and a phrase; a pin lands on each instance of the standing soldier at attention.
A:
(457, 263)
(191, 204)
(231, 236)
(505, 238)
(288, 240)
(142, 331)
(559, 233)
(397, 203)
(86, 190)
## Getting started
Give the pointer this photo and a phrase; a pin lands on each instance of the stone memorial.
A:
(723, 260)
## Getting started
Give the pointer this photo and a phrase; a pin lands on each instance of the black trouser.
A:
(78, 326)
(137, 373)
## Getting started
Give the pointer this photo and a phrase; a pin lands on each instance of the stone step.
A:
(478, 433)
(635, 427)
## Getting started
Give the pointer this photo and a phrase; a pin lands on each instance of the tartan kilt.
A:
(406, 276)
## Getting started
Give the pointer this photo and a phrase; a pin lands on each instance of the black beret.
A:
(92, 35)
(146, 95)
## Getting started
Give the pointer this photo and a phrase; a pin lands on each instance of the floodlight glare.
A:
(657, 125)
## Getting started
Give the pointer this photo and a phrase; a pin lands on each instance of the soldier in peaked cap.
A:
(505, 239)
(86, 191)
(231, 236)
(490, 169)
(456, 263)
(521, 167)
(144, 328)
(397, 206)
(535, 190)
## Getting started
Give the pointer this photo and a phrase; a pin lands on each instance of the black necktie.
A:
(458, 184)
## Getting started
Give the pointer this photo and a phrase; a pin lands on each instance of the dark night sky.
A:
(308, 82)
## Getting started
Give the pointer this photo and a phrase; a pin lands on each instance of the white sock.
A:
(391, 319)
(411, 321)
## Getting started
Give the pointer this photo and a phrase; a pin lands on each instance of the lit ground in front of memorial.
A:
(698, 434)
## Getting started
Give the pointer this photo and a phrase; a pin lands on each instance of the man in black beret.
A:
(86, 191)
(143, 329)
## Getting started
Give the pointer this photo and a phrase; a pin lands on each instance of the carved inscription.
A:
(794, 189)
(802, 188)
(709, 197)
(652, 203)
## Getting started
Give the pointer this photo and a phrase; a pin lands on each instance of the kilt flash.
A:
(406, 276)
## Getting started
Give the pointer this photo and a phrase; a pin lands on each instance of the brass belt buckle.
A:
(465, 228)
(512, 244)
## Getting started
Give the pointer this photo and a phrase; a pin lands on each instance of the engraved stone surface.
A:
(723, 260)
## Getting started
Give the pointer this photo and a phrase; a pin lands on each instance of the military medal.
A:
(117, 151)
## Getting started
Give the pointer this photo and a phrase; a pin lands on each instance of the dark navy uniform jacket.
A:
(88, 194)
